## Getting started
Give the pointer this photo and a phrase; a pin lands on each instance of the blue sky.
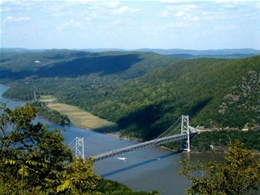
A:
(126, 24)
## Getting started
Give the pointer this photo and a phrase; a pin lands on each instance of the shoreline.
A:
(117, 135)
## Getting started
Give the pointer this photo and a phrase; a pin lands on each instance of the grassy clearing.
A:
(80, 117)
(47, 98)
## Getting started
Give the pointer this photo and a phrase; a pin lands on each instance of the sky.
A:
(129, 25)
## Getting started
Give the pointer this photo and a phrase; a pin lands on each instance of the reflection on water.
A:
(138, 164)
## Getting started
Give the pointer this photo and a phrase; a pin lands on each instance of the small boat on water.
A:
(121, 158)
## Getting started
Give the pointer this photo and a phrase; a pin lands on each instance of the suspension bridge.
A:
(184, 130)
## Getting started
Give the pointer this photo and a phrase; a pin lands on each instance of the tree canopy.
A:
(239, 174)
(34, 160)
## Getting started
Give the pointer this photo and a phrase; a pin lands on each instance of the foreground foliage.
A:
(34, 160)
(108, 187)
(239, 174)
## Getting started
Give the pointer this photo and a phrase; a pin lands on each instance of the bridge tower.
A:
(80, 147)
(185, 144)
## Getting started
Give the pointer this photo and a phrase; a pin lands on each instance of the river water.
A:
(146, 169)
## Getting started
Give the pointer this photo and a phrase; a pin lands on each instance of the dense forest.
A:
(217, 141)
(143, 92)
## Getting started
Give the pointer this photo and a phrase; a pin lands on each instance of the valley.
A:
(139, 91)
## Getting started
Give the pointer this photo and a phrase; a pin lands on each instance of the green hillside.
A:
(215, 93)
(143, 92)
(72, 64)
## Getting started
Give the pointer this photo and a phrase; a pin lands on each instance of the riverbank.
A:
(80, 117)
(147, 169)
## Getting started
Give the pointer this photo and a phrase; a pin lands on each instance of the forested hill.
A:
(143, 92)
(220, 53)
(215, 93)
(73, 64)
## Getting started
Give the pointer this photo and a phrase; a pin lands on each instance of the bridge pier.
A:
(185, 143)
(80, 149)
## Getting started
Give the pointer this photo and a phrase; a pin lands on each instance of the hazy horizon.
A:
(130, 49)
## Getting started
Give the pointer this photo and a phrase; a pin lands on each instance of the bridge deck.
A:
(142, 145)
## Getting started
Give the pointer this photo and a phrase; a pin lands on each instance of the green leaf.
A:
(10, 161)
(23, 171)
(66, 184)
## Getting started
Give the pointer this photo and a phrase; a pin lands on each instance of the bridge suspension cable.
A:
(169, 131)
(71, 142)
(183, 136)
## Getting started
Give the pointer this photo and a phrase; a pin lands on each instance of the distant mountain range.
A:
(219, 53)
(182, 53)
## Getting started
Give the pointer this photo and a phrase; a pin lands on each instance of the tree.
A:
(34, 160)
(239, 174)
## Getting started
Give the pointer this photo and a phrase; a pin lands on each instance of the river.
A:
(146, 169)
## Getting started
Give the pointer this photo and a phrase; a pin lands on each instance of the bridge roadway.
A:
(154, 142)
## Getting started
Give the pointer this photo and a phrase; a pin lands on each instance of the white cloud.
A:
(111, 4)
(83, 1)
(190, 17)
(88, 19)
(125, 9)
(177, 1)
(4, 9)
(126, 17)
(180, 13)
(164, 14)
(178, 10)
(222, 11)
(96, 11)
(17, 5)
(116, 22)
(73, 23)
(231, 1)
(12, 19)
